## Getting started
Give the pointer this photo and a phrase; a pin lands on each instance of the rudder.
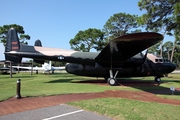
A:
(12, 44)
(38, 43)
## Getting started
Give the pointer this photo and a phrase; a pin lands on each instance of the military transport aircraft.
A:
(122, 57)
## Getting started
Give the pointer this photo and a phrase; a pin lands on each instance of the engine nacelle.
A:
(85, 70)
(135, 61)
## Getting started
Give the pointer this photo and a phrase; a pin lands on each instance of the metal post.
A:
(31, 67)
(18, 66)
(18, 95)
(172, 88)
(10, 69)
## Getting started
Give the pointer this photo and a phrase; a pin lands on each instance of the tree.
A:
(120, 24)
(154, 49)
(167, 48)
(19, 29)
(87, 40)
(176, 42)
(161, 15)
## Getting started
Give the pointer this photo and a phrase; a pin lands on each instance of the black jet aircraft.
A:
(122, 57)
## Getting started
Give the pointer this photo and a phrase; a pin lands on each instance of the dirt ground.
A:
(14, 105)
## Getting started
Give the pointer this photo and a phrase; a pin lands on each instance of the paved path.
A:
(19, 105)
(62, 112)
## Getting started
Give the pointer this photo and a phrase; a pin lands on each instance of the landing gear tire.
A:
(158, 80)
(112, 81)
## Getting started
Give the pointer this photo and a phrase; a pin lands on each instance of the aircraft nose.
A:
(166, 68)
(170, 67)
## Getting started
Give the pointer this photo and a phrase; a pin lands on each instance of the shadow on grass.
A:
(177, 81)
(61, 75)
(139, 83)
(145, 85)
(150, 86)
(60, 81)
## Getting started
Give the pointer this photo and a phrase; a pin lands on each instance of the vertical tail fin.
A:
(50, 65)
(46, 66)
(38, 43)
(12, 44)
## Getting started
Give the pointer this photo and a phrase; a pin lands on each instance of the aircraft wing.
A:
(122, 48)
(3, 68)
(28, 68)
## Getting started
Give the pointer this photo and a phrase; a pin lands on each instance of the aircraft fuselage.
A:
(148, 68)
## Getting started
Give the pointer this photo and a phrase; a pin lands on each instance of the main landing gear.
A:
(157, 79)
(112, 80)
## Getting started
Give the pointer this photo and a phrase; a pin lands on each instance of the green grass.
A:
(43, 85)
(174, 97)
(117, 108)
(125, 109)
(63, 83)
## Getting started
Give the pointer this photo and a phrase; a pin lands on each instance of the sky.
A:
(56, 22)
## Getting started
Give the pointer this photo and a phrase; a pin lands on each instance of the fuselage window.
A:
(166, 60)
(156, 60)
(160, 60)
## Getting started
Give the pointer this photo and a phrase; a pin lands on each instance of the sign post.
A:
(172, 89)
(18, 95)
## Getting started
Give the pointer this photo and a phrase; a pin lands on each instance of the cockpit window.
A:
(156, 60)
(161, 60)
(166, 60)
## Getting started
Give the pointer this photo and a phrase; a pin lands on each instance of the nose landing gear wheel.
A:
(158, 80)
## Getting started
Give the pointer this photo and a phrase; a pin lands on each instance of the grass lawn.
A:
(117, 108)
(63, 83)
(43, 85)
(125, 109)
